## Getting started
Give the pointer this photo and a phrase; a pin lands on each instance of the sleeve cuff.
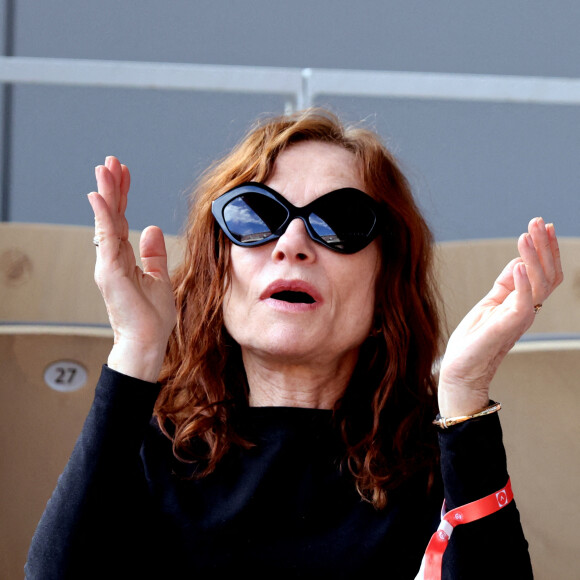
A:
(473, 460)
(118, 394)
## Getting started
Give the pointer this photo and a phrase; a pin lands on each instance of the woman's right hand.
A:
(140, 303)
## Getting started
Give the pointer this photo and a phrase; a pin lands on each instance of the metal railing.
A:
(301, 86)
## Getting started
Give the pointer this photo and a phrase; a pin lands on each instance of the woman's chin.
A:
(287, 344)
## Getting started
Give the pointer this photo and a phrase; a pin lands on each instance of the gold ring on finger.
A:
(537, 308)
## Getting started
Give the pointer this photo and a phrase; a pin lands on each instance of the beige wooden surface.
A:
(46, 273)
(467, 270)
(538, 387)
(38, 426)
(46, 276)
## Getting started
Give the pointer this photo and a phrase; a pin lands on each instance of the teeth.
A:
(294, 297)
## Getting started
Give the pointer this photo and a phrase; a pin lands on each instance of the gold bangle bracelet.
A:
(445, 422)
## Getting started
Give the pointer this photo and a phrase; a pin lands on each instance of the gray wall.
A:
(479, 170)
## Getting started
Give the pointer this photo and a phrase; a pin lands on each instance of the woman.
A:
(292, 433)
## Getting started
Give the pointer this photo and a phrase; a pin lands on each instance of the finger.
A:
(108, 188)
(523, 303)
(121, 190)
(125, 182)
(124, 188)
(555, 249)
(539, 234)
(534, 268)
(504, 284)
(153, 253)
(523, 287)
(105, 229)
(113, 165)
(110, 191)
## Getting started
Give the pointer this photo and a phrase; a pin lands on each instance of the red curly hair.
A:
(385, 421)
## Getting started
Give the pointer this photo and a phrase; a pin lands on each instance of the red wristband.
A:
(431, 564)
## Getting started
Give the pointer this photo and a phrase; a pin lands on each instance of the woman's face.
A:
(257, 312)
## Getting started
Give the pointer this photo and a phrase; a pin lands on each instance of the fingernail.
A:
(530, 241)
(521, 268)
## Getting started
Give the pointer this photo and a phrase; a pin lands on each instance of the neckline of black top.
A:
(285, 419)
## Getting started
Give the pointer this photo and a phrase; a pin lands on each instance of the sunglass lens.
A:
(343, 224)
(253, 217)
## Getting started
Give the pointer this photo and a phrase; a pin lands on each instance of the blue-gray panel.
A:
(4, 15)
(166, 139)
(482, 170)
(525, 37)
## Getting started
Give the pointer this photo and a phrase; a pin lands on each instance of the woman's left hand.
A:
(493, 326)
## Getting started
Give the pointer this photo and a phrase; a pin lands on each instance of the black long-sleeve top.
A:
(126, 508)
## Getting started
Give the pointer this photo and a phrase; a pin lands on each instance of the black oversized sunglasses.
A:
(346, 220)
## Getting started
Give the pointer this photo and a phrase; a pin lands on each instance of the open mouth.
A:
(294, 297)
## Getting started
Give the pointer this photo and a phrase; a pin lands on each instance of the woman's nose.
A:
(295, 244)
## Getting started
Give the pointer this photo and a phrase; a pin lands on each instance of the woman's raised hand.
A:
(493, 326)
(140, 303)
